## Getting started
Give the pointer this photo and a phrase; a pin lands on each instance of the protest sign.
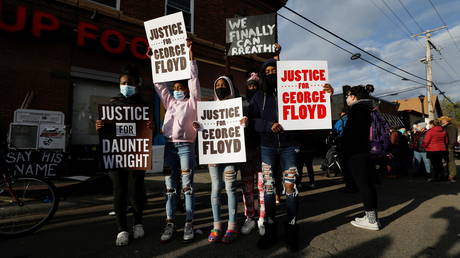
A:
(221, 137)
(36, 163)
(126, 139)
(251, 35)
(170, 56)
(302, 102)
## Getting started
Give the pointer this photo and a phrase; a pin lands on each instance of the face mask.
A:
(250, 94)
(222, 93)
(270, 83)
(403, 131)
(179, 95)
(127, 90)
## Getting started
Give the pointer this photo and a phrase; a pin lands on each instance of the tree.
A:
(451, 110)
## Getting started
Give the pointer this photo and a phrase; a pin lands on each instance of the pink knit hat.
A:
(253, 79)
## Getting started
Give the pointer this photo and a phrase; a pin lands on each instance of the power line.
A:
(346, 50)
(396, 16)
(444, 23)
(393, 93)
(348, 42)
(412, 17)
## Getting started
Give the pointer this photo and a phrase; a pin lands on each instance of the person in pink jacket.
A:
(180, 135)
(435, 142)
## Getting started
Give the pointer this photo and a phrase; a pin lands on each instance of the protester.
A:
(124, 179)
(399, 150)
(356, 145)
(435, 145)
(308, 145)
(181, 112)
(251, 169)
(279, 149)
(452, 134)
(419, 151)
(223, 89)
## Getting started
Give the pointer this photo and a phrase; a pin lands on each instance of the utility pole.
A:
(429, 73)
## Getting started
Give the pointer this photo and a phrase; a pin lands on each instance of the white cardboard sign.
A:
(170, 56)
(302, 102)
(221, 137)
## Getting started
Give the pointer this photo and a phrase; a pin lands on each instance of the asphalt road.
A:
(420, 219)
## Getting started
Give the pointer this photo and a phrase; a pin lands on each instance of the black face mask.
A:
(222, 93)
(250, 94)
(270, 83)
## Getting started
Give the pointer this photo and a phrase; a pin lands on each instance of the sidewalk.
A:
(420, 219)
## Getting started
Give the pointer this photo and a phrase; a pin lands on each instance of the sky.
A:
(371, 25)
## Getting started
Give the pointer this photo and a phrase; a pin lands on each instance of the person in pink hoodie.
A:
(180, 135)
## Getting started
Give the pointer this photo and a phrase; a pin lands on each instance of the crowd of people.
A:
(275, 158)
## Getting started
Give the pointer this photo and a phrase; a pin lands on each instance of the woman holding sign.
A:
(181, 112)
(123, 179)
(223, 173)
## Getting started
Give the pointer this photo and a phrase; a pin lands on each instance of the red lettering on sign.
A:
(105, 41)
(82, 33)
(39, 24)
(18, 24)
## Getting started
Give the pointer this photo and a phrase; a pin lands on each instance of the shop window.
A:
(186, 6)
(110, 3)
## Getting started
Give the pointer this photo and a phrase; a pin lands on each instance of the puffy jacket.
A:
(356, 134)
(180, 114)
(263, 112)
(435, 139)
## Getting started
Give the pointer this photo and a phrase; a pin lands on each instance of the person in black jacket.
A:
(279, 150)
(356, 145)
(127, 182)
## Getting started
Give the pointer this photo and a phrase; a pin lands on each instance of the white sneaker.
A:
(248, 226)
(189, 235)
(359, 219)
(138, 231)
(122, 238)
(364, 223)
(260, 224)
(168, 232)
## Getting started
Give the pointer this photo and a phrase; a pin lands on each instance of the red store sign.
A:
(43, 21)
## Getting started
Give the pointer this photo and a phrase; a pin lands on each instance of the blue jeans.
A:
(418, 158)
(228, 172)
(285, 159)
(180, 157)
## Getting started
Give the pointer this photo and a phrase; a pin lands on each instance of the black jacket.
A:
(263, 112)
(357, 130)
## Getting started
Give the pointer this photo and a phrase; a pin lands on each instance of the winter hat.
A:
(253, 79)
(269, 62)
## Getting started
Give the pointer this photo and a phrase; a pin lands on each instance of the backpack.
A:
(379, 134)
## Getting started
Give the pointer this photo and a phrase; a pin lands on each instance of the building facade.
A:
(65, 55)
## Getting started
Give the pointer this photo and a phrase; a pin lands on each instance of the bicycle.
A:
(26, 203)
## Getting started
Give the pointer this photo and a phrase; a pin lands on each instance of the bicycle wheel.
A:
(35, 203)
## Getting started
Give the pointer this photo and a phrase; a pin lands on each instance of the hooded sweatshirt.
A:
(180, 114)
(435, 139)
(233, 91)
(356, 134)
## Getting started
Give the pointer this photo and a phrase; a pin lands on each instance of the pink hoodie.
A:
(180, 114)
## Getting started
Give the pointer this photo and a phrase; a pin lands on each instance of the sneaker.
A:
(277, 199)
(269, 239)
(261, 226)
(138, 231)
(312, 186)
(112, 213)
(364, 223)
(248, 226)
(122, 238)
(189, 235)
(452, 180)
(168, 233)
(292, 237)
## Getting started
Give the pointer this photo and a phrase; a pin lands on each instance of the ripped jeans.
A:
(180, 157)
(285, 159)
(228, 172)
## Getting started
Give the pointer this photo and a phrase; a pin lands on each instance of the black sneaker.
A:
(292, 237)
(269, 239)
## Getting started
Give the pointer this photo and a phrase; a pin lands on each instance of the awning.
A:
(393, 120)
